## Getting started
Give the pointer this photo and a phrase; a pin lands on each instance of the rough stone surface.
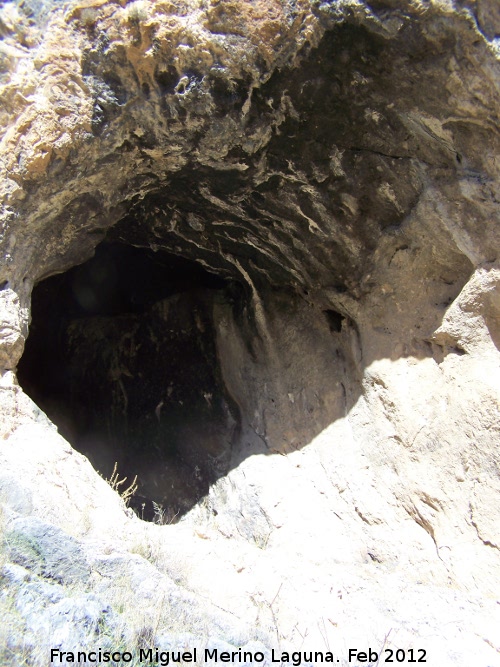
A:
(336, 164)
(46, 550)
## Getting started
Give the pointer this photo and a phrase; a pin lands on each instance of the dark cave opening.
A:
(122, 357)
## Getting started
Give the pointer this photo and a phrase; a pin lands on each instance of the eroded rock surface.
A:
(335, 166)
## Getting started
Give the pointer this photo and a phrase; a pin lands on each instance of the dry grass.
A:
(116, 483)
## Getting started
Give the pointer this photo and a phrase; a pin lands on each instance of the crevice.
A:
(357, 149)
(486, 542)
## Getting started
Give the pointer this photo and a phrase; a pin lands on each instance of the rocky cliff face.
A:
(289, 332)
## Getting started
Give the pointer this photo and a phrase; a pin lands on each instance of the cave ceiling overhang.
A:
(276, 141)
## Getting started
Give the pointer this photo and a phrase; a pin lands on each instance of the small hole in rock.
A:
(334, 320)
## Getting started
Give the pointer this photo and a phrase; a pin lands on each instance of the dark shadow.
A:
(122, 357)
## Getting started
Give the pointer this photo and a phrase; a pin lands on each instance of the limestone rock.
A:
(323, 373)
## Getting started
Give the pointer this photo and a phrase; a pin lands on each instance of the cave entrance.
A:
(122, 357)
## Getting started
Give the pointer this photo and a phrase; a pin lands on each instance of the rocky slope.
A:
(318, 376)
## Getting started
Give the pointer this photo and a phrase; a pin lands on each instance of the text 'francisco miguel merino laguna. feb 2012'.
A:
(213, 656)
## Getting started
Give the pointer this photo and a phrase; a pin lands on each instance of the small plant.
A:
(115, 483)
(163, 515)
(160, 512)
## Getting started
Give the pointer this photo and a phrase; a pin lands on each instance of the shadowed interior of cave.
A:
(122, 357)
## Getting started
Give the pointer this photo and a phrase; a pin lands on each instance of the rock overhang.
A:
(290, 137)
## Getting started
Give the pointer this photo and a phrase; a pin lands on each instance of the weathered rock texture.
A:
(334, 165)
